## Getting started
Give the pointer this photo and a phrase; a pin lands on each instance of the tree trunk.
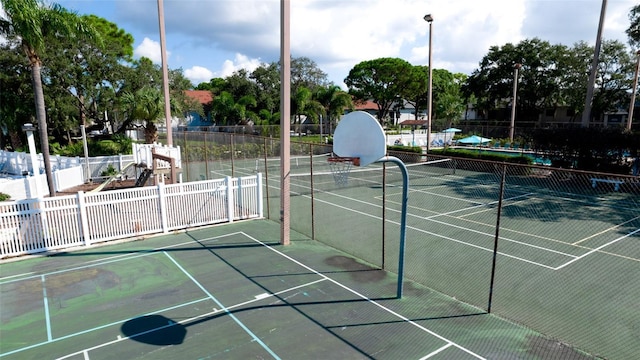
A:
(150, 133)
(41, 115)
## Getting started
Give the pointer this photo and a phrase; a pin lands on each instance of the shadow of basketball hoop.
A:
(154, 330)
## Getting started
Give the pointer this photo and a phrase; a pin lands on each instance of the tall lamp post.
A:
(165, 73)
(513, 102)
(633, 91)
(428, 18)
(586, 114)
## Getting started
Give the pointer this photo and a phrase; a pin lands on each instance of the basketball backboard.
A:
(360, 135)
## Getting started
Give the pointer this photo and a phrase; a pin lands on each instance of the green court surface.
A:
(232, 292)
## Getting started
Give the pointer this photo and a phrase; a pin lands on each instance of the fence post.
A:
(230, 199)
(84, 223)
(497, 236)
(163, 207)
(259, 195)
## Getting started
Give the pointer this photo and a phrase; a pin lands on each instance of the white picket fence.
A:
(39, 225)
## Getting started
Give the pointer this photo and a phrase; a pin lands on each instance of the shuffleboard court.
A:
(232, 292)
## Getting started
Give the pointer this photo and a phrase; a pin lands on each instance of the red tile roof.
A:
(365, 105)
(203, 96)
(414, 122)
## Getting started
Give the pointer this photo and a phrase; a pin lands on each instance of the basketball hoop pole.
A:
(403, 217)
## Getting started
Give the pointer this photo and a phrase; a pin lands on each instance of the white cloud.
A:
(198, 74)
(150, 49)
(239, 62)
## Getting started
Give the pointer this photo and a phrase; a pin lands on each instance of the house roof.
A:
(365, 105)
(414, 122)
(204, 97)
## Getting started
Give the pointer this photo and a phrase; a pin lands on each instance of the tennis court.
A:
(568, 255)
(232, 292)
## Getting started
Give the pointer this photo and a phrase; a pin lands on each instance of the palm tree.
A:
(334, 100)
(146, 104)
(32, 22)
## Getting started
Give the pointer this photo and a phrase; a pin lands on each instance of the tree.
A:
(146, 104)
(334, 102)
(88, 69)
(33, 22)
(417, 94)
(16, 96)
(633, 32)
(448, 103)
(381, 80)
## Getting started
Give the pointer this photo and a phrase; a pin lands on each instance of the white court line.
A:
(227, 311)
(421, 230)
(69, 336)
(431, 218)
(13, 276)
(184, 321)
(597, 249)
(451, 343)
(435, 352)
(47, 318)
(112, 259)
(604, 231)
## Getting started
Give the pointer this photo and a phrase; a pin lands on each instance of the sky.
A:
(214, 38)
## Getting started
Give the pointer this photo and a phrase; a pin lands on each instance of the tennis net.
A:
(321, 178)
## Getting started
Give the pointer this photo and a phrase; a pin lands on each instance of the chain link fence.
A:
(553, 249)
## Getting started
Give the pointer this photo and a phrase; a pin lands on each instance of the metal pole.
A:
(513, 102)
(165, 74)
(633, 91)
(428, 18)
(497, 236)
(86, 153)
(586, 114)
(285, 121)
(403, 218)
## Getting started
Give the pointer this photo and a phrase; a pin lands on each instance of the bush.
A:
(475, 154)
(4, 197)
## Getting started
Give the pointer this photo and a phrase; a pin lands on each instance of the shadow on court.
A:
(223, 293)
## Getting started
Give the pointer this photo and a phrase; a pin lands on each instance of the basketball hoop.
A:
(340, 168)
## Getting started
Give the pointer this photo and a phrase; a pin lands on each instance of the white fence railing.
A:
(39, 225)
(36, 186)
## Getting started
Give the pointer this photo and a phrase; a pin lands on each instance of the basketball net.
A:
(340, 168)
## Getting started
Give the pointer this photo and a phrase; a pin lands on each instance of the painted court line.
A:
(47, 318)
(242, 325)
(119, 338)
(451, 343)
(604, 231)
(436, 352)
(430, 218)
(598, 248)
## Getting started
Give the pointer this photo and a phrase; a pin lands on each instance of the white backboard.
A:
(360, 135)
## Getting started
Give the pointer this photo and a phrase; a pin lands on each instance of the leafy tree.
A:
(87, 69)
(16, 97)
(448, 102)
(633, 32)
(417, 94)
(305, 73)
(303, 104)
(227, 111)
(34, 22)
(381, 80)
(267, 79)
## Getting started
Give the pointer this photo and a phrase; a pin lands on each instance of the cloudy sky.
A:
(212, 38)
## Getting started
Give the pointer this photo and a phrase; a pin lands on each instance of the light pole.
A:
(586, 114)
(428, 18)
(165, 73)
(513, 102)
(633, 91)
